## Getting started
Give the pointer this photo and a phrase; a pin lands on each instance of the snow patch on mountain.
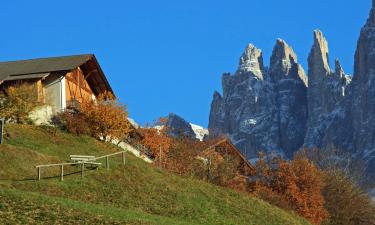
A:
(132, 121)
(199, 131)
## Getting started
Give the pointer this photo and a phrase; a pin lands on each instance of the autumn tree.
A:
(334, 160)
(345, 200)
(106, 118)
(296, 185)
(17, 102)
(182, 156)
(346, 203)
(157, 141)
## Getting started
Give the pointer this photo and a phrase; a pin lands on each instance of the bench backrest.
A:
(81, 157)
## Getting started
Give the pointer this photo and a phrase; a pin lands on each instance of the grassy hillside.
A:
(136, 193)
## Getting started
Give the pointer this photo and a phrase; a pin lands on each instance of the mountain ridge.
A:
(278, 108)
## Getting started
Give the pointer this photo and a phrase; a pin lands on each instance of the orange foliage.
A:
(182, 155)
(297, 185)
(75, 123)
(157, 141)
(106, 117)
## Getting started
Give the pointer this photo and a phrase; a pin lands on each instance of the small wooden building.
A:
(222, 151)
(225, 148)
(60, 81)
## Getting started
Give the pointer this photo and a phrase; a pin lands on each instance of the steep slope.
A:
(363, 103)
(136, 193)
(327, 89)
(290, 86)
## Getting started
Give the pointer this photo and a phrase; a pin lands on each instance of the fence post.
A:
(123, 158)
(39, 173)
(209, 168)
(107, 162)
(82, 169)
(62, 173)
(159, 156)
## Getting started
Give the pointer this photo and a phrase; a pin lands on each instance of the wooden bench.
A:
(86, 159)
(81, 158)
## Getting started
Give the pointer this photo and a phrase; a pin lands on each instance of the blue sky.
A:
(164, 56)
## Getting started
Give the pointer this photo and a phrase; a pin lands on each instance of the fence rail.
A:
(141, 148)
(88, 162)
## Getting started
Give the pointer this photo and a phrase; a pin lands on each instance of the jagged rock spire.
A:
(371, 19)
(252, 61)
(284, 115)
(282, 53)
(284, 63)
(364, 57)
(338, 69)
(216, 118)
(318, 58)
(290, 86)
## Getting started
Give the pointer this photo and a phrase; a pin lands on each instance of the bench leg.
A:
(82, 169)
(62, 173)
(39, 173)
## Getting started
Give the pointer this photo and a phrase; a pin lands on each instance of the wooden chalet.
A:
(226, 148)
(60, 82)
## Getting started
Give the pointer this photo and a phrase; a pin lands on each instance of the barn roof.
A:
(35, 68)
(233, 149)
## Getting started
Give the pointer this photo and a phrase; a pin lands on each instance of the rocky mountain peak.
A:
(284, 63)
(283, 56)
(338, 69)
(318, 58)
(363, 93)
(252, 61)
(283, 114)
(177, 127)
(364, 58)
(217, 95)
(286, 51)
(371, 19)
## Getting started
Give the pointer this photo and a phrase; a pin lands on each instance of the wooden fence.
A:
(91, 162)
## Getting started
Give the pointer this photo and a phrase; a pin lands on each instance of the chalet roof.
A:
(42, 65)
(35, 68)
(233, 148)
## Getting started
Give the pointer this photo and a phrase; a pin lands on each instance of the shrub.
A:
(346, 203)
(72, 121)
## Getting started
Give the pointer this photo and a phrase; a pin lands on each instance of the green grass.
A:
(135, 193)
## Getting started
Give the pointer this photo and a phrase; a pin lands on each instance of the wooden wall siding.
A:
(77, 88)
(40, 91)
